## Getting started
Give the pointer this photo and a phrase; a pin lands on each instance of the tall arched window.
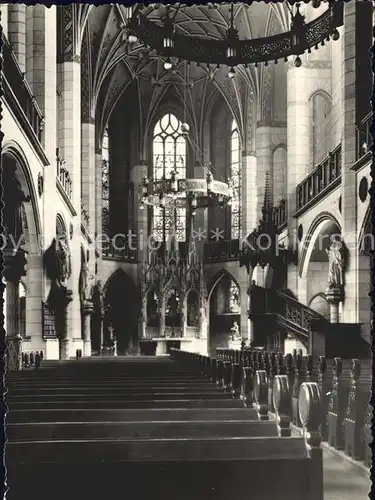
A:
(169, 154)
(235, 176)
(105, 184)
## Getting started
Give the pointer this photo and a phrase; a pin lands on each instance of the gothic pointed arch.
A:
(169, 154)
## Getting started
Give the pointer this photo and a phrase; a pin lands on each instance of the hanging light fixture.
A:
(168, 65)
(199, 192)
(232, 51)
(232, 39)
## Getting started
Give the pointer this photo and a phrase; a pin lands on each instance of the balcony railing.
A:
(221, 251)
(119, 251)
(16, 86)
(323, 176)
(280, 214)
(363, 137)
(271, 301)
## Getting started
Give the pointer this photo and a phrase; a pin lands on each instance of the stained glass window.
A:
(234, 298)
(105, 184)
(169, 153)
(235, 176)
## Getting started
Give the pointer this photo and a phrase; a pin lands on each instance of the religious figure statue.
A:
(336, 264)
(235, 331)
(85, 282)
(63, 260)
(192, 316)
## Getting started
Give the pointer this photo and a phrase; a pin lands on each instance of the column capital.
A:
(334, 295)
(88, 120)
(87, 307)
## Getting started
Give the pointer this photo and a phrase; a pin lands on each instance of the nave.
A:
(153, 426)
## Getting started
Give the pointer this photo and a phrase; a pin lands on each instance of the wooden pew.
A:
(298, 379)
(354, 421)
(367, 436)
(337, 404)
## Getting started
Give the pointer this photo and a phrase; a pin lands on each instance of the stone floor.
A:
(344, 480)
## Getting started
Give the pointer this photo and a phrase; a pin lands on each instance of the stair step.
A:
(180, 480)
(91, 385)
(110, 404)
(135, 430)
(154, 450)
(116, 396)
(129, 415)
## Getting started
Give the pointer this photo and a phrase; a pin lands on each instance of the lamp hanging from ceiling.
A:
(231, 51)
(196, 192)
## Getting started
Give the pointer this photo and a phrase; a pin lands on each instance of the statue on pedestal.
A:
(85, 283)
(336, 264)
(63, 260)
(235, 331)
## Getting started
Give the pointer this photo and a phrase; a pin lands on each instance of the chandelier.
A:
(199, 193)
(231, 51)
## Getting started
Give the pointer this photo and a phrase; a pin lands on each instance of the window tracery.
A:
(169, 154)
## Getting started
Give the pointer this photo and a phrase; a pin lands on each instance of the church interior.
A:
(187, 225)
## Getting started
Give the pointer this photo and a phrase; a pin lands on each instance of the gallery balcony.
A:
(280, 215)
(221, 251)
(363, 141)
(119, 251)
(325, 177)
(19, 97)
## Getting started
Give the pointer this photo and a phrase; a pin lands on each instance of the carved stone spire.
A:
(267, 204)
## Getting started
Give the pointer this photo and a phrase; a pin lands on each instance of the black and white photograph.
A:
(187, 250)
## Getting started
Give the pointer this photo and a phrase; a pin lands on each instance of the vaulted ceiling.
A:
(112, 66)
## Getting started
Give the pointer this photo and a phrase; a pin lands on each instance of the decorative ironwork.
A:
(322, 178)
(231, 51)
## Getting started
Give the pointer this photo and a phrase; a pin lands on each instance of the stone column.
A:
(64, 300)
(88, 164)
(244, 318)
(41, 76)
(200, 221)
(140, 241)
(334, 297)
(87, 309)
(162, 317)
(298, 154)
(350, 88)
(17, 31)
(249, 194)
(69, 135)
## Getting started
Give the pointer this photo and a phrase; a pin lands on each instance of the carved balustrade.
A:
(320, 180)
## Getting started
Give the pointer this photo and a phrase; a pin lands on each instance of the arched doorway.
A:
(122, 310)
(21, 249)
(315, 269)
(224, 311)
